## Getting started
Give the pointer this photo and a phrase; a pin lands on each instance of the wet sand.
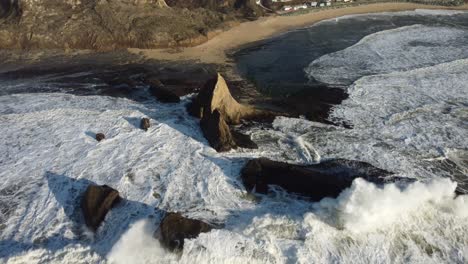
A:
(214, 51)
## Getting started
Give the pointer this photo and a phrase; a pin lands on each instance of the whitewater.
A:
(408, 108)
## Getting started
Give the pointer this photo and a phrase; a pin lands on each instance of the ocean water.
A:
(407, 78)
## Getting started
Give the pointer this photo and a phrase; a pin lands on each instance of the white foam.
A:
(137, 245)
(365, 206)
(403, 120)
(416, 12)
(173, 160)
(392, 50)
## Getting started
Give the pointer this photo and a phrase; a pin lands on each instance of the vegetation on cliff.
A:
(111, 24)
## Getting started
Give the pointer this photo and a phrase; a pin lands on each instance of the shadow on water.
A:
(134, 121)
(91, 134)
(68, 193)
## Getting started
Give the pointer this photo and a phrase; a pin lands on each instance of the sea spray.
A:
(367, 207)
(138, 245)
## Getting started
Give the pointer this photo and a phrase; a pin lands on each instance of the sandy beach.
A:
(214, 51)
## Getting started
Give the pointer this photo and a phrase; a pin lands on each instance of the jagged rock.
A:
(174, 228)
(217, 109)
(215, 95)
(100, 136)
(163, 94)
(145, 124)
(327, 179)
(96, 203)
(217, 132)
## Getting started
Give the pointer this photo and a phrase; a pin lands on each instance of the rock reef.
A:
(317, 181)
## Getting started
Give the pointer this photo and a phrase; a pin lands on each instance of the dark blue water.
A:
(277, 65)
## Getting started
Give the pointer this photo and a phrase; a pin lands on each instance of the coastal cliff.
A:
(110, 24)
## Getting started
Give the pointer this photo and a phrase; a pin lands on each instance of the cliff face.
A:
(113, 24)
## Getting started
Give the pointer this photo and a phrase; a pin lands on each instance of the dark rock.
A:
(145, 124)
(163, 94)
(217, 132)
(174, 228)
(243, 141)
(100, 136)
(96, 203)
(327, 179)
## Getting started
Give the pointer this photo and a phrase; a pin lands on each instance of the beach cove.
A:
(215, 49)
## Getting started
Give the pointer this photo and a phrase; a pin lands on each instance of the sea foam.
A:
(392, 50)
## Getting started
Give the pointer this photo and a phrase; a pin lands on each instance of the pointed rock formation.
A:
(96, 203)
(327, 179)
(175, 228)
(215, 95)
(218, 109)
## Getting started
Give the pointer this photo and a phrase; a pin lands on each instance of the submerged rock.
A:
(100, 136)
(175, 228)
(327, 179)
(163, 94)
(145, 124)
(242, 140)
(96, 203)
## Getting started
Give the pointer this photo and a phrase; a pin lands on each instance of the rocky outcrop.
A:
(218, 109)
(145, 124)
(326, 179)
(215, 95)
(175, 228)
(96, 203)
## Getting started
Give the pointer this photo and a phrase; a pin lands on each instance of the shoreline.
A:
(215, 50)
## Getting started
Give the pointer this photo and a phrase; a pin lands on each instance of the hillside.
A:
(114, 24)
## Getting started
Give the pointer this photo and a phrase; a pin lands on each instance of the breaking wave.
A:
(388, 51)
